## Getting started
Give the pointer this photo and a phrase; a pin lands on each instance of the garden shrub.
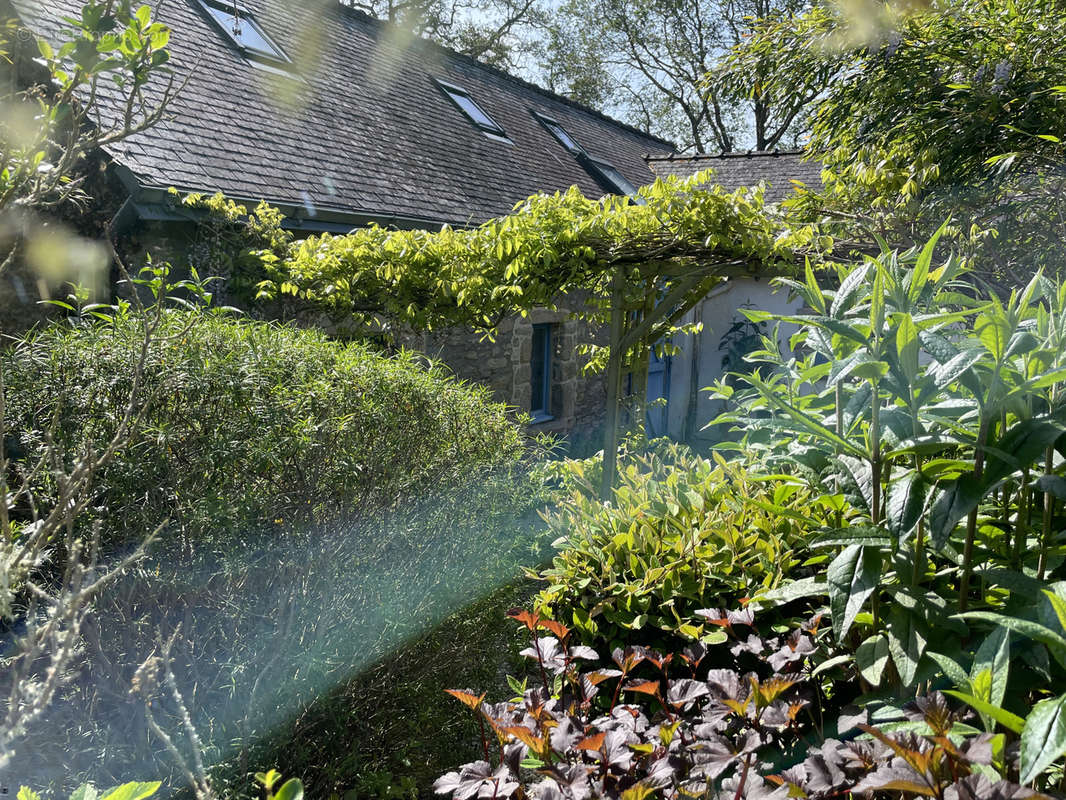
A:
(251, 423)
(627, 728)
(681, 532)
(937, 410)
(624, 728)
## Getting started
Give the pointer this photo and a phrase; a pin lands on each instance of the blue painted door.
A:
(658, 389)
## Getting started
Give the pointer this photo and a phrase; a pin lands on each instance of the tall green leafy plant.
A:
(937, 412)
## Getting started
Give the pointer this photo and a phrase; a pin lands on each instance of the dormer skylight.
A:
(242, 29)
(476, 114)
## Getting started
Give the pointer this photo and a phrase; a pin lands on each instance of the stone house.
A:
(726, 333)
(339, 121)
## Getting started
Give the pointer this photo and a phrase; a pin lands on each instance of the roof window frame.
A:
(560, 134)
(600, 168)
(452, 91)
(279, 58)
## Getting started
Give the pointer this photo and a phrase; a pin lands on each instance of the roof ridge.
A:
(424, 42)
(725, 154)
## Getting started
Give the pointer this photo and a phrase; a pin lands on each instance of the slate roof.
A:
(362, 130)
(734, 170)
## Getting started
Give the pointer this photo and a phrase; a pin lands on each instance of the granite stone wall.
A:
(504, 364)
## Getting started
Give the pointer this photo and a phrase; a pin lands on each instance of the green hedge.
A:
(250, 423)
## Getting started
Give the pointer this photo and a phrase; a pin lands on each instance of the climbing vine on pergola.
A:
(641, 264)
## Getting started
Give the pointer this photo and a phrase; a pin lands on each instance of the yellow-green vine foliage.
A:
(548, 245)
(234, 243)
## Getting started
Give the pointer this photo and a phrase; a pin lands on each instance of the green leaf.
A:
(1058, 605)
(1011, 722)
(815, 298)
(907, 347)
(858, 534)
(849, 290)
(805, 421)
(851, 577)
(958, 498)
(858, 471)
(907, 640)
(792, 590)
(1021, 445)
(84, 792)
(267, 779)
(1013, 581)
(1043, 738)
(292, 789)
(26, 793)
(906, 502)
(1052, 484)
(836, 661)
(951, 668)
(870, 370)
(1033, 630)
(920, 275)
(950, 371)
(991, 666)
(872, 657)
(132, 791)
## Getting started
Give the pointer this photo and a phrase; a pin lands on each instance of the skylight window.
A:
(614, 178)
(560, 133)
(605, 174)
(244, 31)
(461, 97)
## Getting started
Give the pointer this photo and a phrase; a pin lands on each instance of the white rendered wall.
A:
(717, 313)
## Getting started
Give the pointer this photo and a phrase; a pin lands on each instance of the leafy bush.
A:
(938, 412)
(681, 531)
(229, 241)
(630, 730)
(931, 752)
(248, 423)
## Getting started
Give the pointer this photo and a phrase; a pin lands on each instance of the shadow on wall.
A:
(704, 358)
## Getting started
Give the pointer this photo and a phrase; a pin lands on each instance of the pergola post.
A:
(614, 385)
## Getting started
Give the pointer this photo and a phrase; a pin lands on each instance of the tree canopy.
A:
(945, 112)
(655, 63)
(498, 32)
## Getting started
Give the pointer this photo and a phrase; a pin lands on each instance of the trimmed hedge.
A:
(251, 423)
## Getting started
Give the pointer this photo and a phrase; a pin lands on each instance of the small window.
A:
(560, 133)
(244, 31)
(541, 374)
(614, 179)
(461, 97)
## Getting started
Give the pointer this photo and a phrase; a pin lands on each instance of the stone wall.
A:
(504, 365)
